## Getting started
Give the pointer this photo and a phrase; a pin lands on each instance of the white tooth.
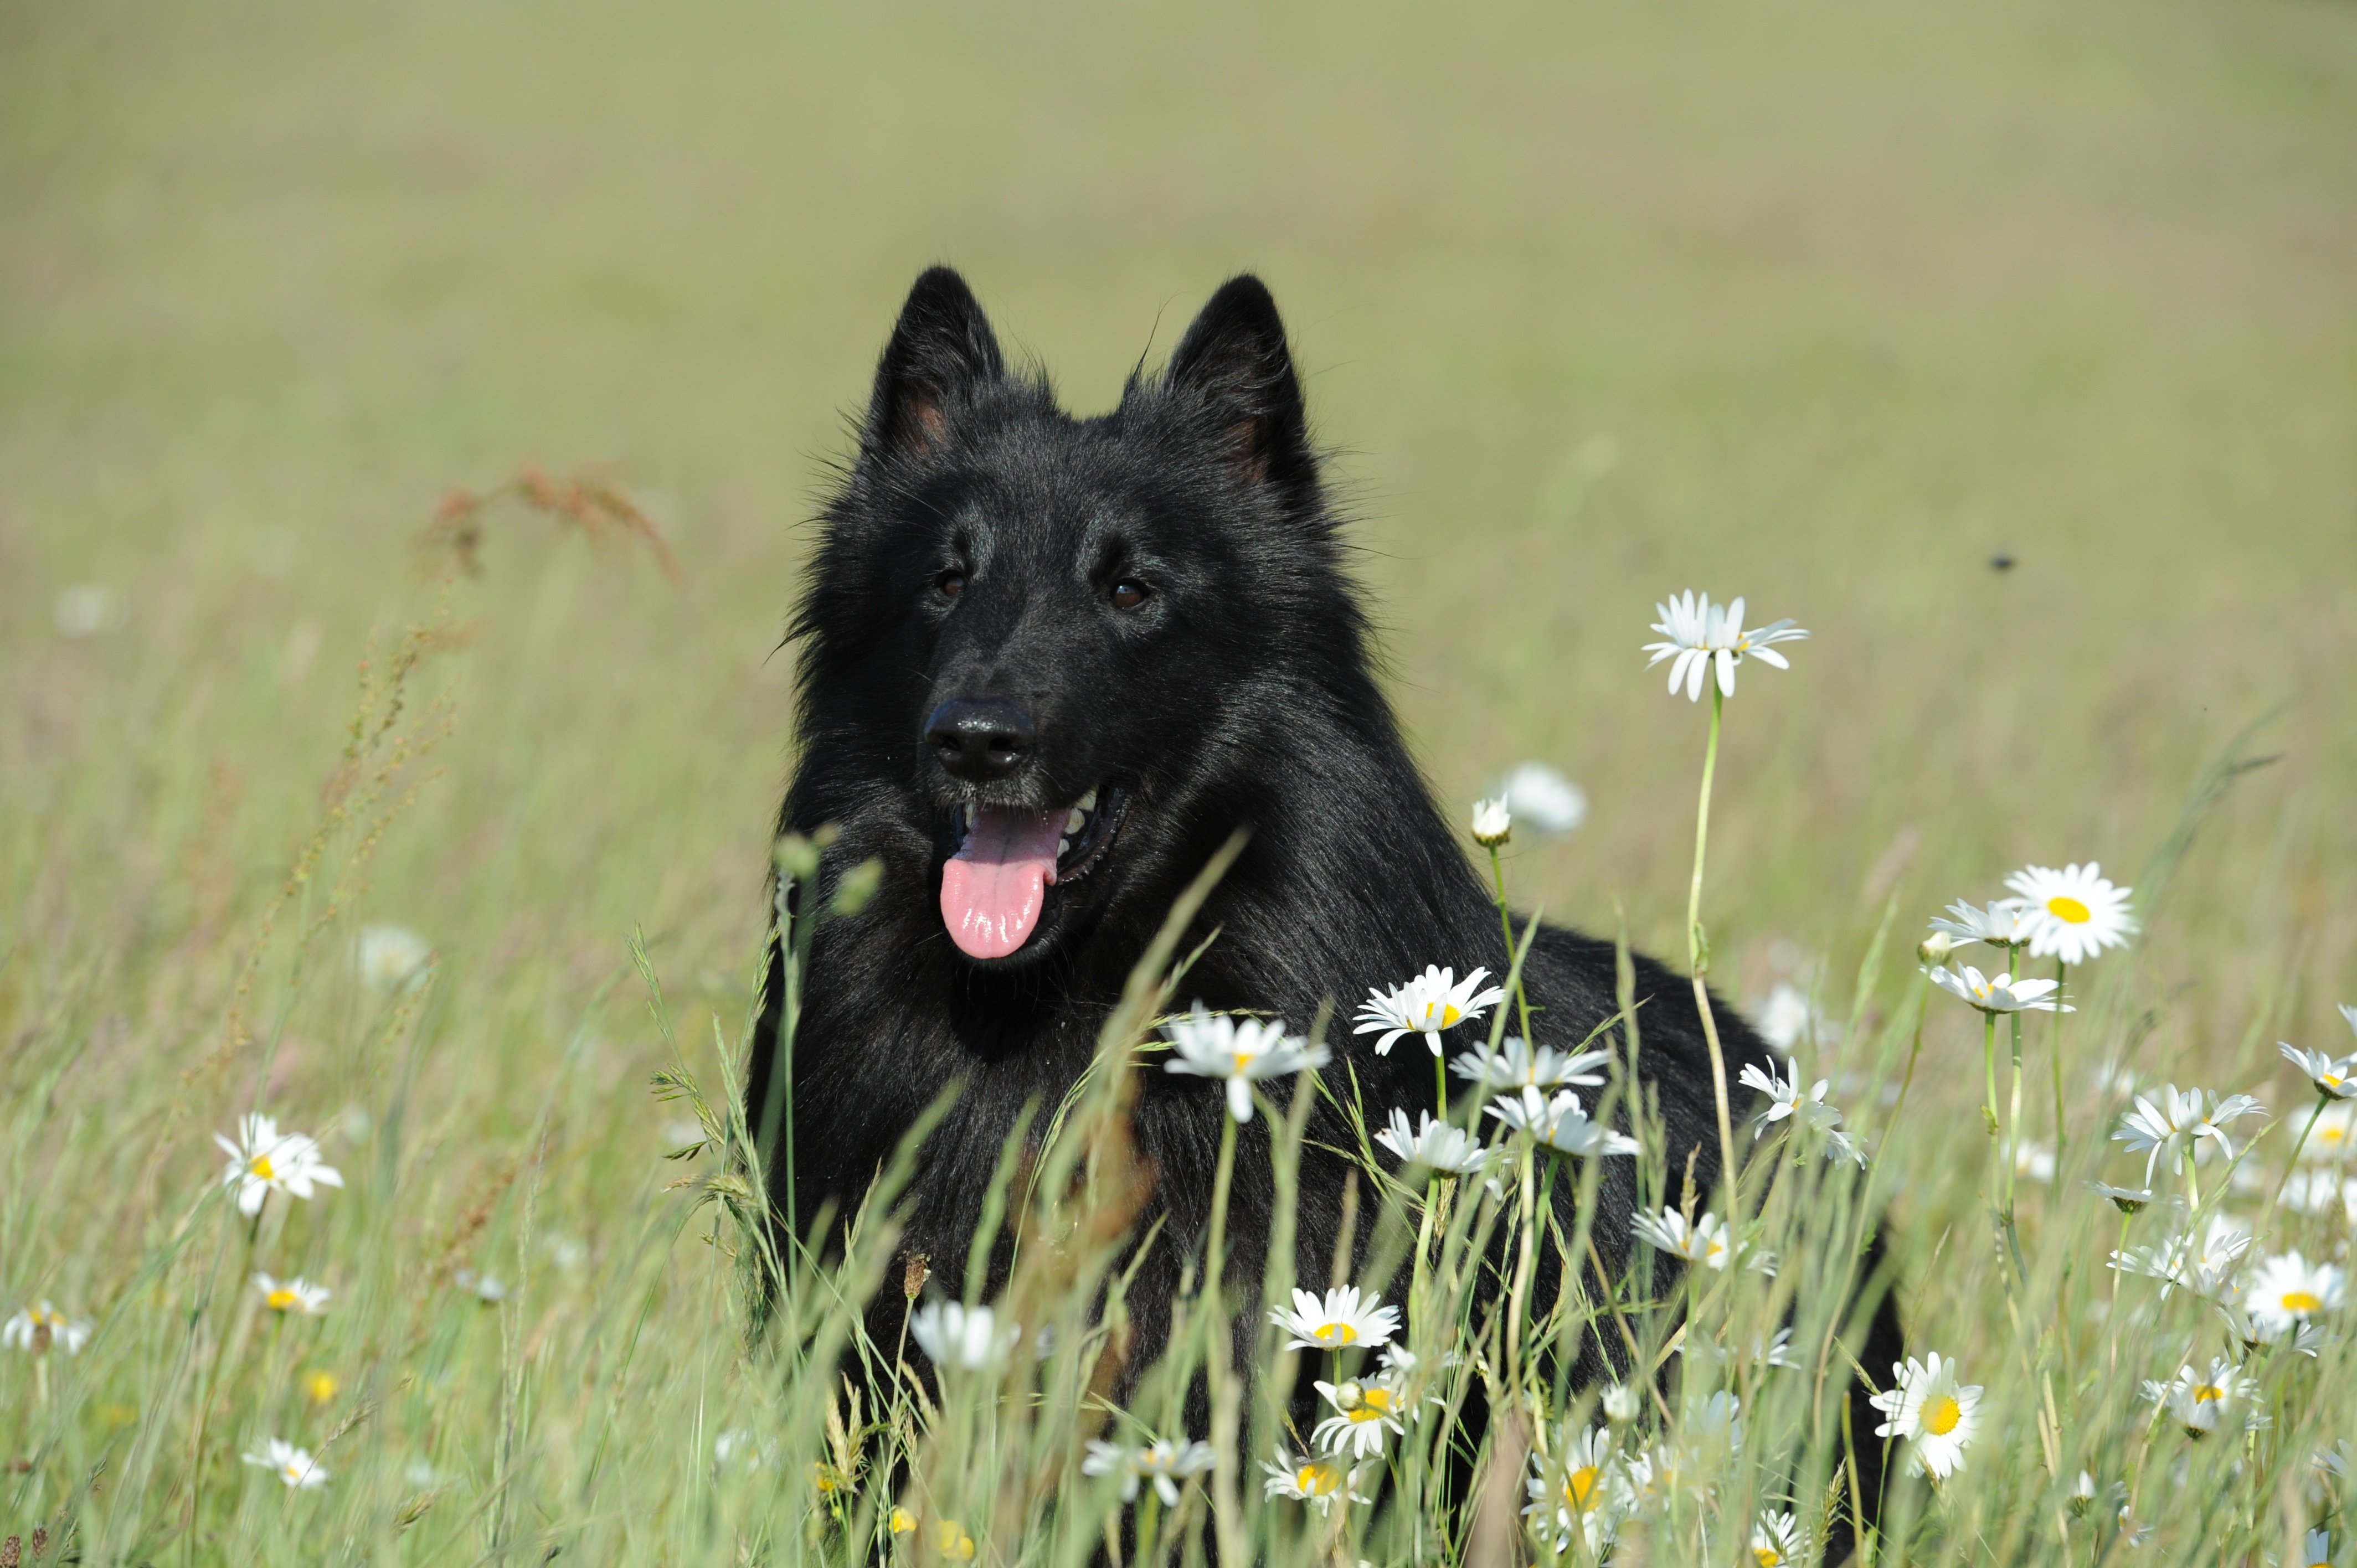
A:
(1088, 801)
(1063, 848)
(1077, 821)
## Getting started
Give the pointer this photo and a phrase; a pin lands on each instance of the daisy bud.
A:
(1936, 949)
(1493, 824)
(1620, 1404)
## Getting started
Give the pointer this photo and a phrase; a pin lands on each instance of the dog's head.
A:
(1048, 654)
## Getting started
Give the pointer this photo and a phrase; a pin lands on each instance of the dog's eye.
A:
(1128, 593)
(949, 584)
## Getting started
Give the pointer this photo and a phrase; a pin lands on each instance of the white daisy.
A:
(2320, 1191)
(1622, 1404)
(2127, 1200)
(955, 1335)
(1543, 799)
(1307, 1478)
(2202, 1401)
(1164, 1462)
(2289, 1290)
(1932, 1412)
(1776, 1539)
(2035, 1161)
(43, 1328)
(1785, 1099)
(2173, 1118)
(2316, 1551)
(1345, 1319)
(1786, 1018)
(2332, 1077)
(1575, 1490)
(1364, 1412)
(292, 1296)
(1433, 1001)
(264, 1160)
(1514, 1065)
(2334, 1134)
(293, 1466)
(1705, 1241)
(1560, 1123)
(1702, 636)
(1435, 1145)
(1239, 1051)
(2206, 1264)
(2078, 913)
(1999, 993)
(2005, 923)
(1493, 823)
(389, 957)
(1775, 1350)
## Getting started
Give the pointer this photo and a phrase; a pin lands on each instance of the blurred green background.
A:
(1824, 303)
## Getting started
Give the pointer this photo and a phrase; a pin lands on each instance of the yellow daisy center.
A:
(2302, 1301)
(1243, 1059)
(1769, 1556)
(1335, 1334)
(1579, 1487)
(1941, 1416)
(280, 1299)
(260, 1166)
(2207, 1394)
(1449, 1015)
(1314, 1480)
(2063, 906)
(322, 1387)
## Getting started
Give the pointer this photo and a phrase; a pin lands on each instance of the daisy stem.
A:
(1440, 1082)
(2062, 973)
(2293, 1164)
(1698, 956)
(1506, 922)
(1988, 1068)
(2192, 1182)
(2013, 1120)
(1227, 1392)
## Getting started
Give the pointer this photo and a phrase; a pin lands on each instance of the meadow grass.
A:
(1822, 304)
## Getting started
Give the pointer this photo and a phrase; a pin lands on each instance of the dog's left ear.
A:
(1234, 359)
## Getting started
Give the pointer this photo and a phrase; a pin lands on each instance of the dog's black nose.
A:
(981, 738)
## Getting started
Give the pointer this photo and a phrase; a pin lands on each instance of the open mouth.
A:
(995, 882)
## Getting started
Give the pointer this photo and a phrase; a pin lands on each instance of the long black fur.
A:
(1239, 694)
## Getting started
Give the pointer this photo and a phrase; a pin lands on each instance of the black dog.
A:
(1049, 665)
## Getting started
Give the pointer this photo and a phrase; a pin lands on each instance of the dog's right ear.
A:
(941, 350)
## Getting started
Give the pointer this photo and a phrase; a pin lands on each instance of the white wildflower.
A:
(1432, 1002)
(1345, 1319)
(1543, 799)
(1560, 1123)
(2176, 1118)
(1239, 1052)
(264, 1160)
(1164, 1462)
(2078, 913)
(293, 1466)
(967, 1337)
(43, 1328)
(1929, 1409)
(1514, 1065)
(1703, 638)
(1435, 1145)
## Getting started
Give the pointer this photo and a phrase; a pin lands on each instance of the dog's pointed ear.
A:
(941, 350)
(1234, 359)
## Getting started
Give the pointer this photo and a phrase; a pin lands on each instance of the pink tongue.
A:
(991, 890)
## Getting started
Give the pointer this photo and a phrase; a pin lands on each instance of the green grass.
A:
(1824, 303)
